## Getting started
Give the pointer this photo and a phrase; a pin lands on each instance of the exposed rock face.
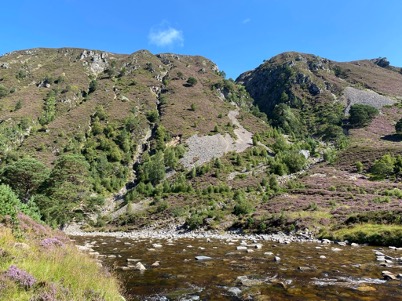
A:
(366, 97)
(97, 61)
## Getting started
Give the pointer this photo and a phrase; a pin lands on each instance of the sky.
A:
(237, 35)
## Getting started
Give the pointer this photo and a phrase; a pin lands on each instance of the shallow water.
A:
(305, 271)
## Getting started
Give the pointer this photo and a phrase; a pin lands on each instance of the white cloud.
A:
(166, 37)
(245, 21)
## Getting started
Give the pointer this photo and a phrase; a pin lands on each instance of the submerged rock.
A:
(201, 257)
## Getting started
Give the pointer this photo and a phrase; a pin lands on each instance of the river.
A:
(239, 269)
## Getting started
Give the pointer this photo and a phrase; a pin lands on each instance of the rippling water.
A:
(297, 271)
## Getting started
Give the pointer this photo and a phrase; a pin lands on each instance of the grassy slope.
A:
(61, 272)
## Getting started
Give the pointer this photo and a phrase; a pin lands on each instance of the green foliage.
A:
(10, 205)
(359, 166)
(191, 81)
(242, 205)
(67, 192)
(170, 158)
(93, 85)
(293, 160)
(152, 116)
(18, 105)
(9, 202)
(361, 115)
(330, 156)
(384, 167)
(3, 91)
(287, 119)
(49, 109)
(25, 176)
(153, 169)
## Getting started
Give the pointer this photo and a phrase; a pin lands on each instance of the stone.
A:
(244, 280)
(156, 264)
(250, 251)
(201, 257)
(258, 246)
(366, 288)
(353, 244)
(323, 256)
(139, 266)
(277, 258)
(268, 253)
(304, 268)
(241, 248)
(387, 275)
(341, 243)
(156, 246)
(132, 260)
(234, 291)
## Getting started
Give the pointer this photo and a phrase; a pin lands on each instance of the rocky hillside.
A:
(143, 140)
(305, 93)
(95, 115)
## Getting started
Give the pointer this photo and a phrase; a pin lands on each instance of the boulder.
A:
(139, 266)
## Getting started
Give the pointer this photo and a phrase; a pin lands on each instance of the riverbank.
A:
(175, 232)
(39, 263)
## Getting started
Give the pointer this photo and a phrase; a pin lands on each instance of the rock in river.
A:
(202, 257)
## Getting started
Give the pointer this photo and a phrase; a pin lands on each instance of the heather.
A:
(39, 263)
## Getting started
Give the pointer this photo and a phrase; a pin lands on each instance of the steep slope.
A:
(358, 190)
(89, 116)
(304, 93)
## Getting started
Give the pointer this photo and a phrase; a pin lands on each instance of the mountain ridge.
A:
(117, 127)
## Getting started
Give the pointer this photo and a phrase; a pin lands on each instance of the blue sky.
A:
(236, 34)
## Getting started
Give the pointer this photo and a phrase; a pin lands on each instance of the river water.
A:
(248, 270)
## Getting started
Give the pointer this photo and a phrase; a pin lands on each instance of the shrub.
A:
(398, 127)
(3, 91)
(191, 81)
(359, 166)
(20, 276)
(361, 115)
(384, 167)
(152, 116)
(93, 85)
